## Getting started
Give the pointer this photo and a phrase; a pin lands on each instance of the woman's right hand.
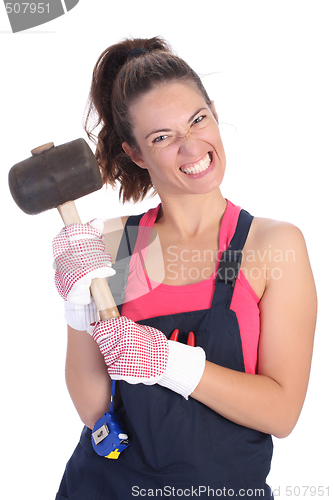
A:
(80, 256)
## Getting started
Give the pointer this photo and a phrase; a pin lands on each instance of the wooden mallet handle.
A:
(99, 287)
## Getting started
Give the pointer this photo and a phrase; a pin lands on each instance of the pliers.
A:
(190, 338)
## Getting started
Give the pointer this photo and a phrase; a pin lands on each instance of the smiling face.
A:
(179, 140)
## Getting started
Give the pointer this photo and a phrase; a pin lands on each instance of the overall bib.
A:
(179, 447)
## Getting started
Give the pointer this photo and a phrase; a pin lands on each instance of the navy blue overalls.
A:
(179, 447)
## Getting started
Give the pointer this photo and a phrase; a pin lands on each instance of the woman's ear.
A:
(133, 154)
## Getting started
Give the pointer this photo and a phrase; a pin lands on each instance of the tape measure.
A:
(108, 437)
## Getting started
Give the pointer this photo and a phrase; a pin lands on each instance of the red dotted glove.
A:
(79, 254)
(142, 354)
(132, 352)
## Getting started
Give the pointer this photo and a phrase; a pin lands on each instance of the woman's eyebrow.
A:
(168, 129)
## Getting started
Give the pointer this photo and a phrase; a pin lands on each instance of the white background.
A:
(268, 66)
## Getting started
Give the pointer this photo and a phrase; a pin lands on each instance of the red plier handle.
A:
(190, 338)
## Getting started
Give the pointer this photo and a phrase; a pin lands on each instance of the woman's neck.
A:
(190, 216)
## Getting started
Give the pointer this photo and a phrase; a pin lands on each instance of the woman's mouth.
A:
(199, 167)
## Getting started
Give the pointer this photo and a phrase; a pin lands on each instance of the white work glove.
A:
(80, 316)
(142, 354)
(79, 255)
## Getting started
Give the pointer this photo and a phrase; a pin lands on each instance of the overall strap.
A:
(129, 237)
(231, 259)
(117, 283)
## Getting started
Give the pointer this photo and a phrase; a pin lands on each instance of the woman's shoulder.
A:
(273, 241)
(115, 224)
(114, 228)
(274, 249)
(275, 233)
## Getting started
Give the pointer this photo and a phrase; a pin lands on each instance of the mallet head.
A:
(54, 177)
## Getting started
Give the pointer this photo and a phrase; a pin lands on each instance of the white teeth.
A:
(198, 167)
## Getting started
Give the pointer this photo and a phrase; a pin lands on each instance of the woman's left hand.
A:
(141, 354)
(132, 352)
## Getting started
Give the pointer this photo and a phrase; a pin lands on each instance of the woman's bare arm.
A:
(271, 401)
(87, 378)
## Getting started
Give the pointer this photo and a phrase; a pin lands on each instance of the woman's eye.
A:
(160, 138)
(199, 119)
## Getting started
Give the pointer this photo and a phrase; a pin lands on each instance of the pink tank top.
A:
(145, 298)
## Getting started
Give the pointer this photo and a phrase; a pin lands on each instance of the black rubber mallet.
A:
(53, 177)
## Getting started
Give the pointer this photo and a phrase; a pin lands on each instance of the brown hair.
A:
(119, 79)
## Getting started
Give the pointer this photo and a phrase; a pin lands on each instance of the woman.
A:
(199, 417)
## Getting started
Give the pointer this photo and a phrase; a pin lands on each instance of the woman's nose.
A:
(188, 143)
(185, 135)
